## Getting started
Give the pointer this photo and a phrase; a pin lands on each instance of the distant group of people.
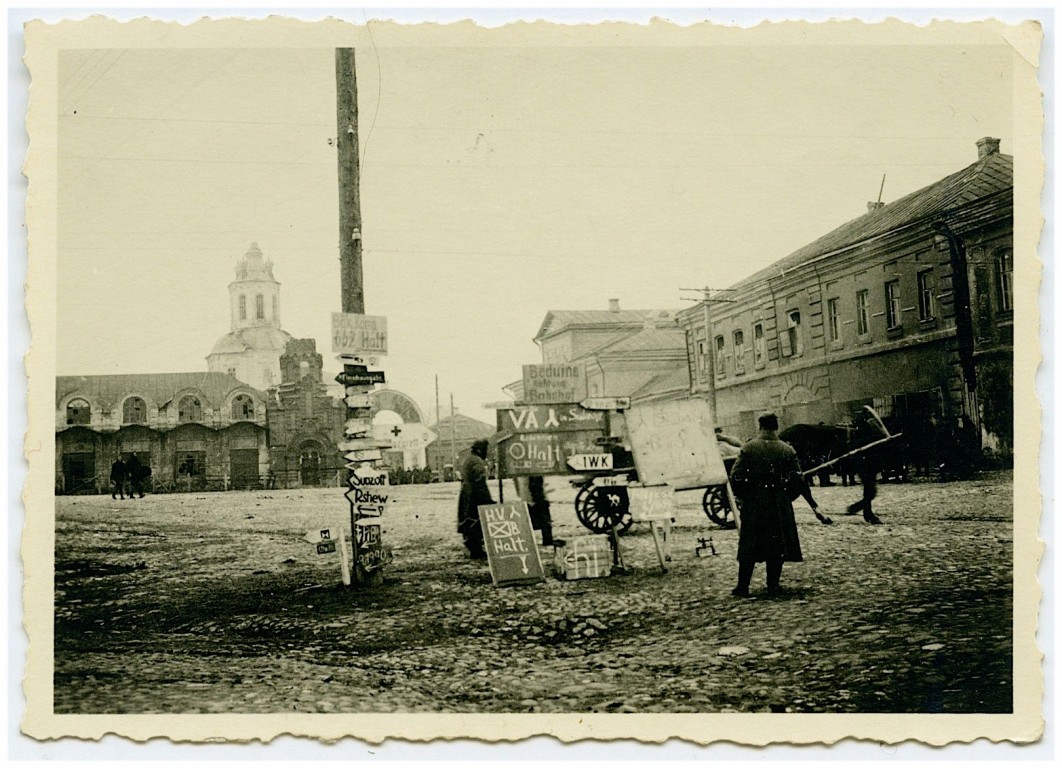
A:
(131, 474)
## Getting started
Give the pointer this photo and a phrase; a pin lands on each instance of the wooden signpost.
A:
(510, 544)
(358, 340)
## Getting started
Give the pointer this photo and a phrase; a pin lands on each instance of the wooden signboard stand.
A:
(510, 544)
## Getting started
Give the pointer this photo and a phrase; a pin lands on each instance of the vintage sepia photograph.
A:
(617, 380)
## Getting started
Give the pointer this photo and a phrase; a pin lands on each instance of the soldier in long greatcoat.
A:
(766, 477)
(474, 492)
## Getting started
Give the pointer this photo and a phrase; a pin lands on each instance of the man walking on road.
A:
(868, 429)
(766, 477)
(118, 474)
(136, 476)
(474, 493)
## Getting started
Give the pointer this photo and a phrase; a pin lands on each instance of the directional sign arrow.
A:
(585, 461)
(361, 379)
(363, 444)
(358, 400)
(372, 454)
(606, 403)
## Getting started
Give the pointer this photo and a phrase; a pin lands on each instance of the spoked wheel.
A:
(602, 509)
(717, 506)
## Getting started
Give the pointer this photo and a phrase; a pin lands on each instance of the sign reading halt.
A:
(510, 543)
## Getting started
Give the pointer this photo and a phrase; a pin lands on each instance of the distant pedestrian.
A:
(538, 506)
(474, 493)
(118, 476)
(136, 476)
(766, 477)
(868, 430)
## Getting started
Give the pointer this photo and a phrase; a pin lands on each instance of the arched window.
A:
(134, 411)
(259, 307)
(78, 411)
(189, 409)
(276, 312)
(242, 408)
(243, 307)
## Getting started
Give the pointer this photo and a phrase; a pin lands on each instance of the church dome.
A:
(254, 339)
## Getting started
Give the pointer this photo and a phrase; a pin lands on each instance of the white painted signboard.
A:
(674, 444)
(363, 336)
(404, 437)
(582, 462)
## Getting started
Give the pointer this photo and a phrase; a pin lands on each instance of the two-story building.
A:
(908, 308)
(195, 430)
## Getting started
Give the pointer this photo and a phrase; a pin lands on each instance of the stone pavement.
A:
(213, 603)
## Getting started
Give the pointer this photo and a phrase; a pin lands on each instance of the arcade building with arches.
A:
(260, 417)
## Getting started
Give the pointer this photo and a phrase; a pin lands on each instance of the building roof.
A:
(160, 388)
(665, 383)
(989, 175)
(464, 428)
(265, 337)
(557, 320)
(668, 338)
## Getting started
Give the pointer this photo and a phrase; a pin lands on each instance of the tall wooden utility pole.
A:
(360, 450)
(352, 285)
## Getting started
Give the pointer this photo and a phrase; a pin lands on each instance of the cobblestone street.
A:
(214, 603)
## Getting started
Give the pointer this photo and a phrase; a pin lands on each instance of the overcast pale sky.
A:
(497, 184)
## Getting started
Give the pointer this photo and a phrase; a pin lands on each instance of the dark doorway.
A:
(310, 466)
(243, 468)
(79, 473)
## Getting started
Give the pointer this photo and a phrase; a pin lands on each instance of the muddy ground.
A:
(214, 603)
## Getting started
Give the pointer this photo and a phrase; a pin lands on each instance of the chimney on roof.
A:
(987, 146)
(613, 305)
(874, 205)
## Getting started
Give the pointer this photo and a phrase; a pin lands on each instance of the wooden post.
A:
(352, 287)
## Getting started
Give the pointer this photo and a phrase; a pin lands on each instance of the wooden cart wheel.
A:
(601, 509)
(717, 506)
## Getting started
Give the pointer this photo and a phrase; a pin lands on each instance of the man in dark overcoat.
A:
(868, 429)
(118, 475)
(136, 476)
(474, 493)
(766, 477)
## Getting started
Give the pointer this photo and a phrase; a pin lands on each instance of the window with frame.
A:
(739, 351)
(259, 307)
(134, 411)
(833, 320)
(1005, 280)
(926, 308)
(792, 341)
(276, 312)
(189, 409)
(862, 312)
(78, 411)
(702, 355)
(759, 345)
(242, 408)
(720, 356)
(243, 307)
(892, 304)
